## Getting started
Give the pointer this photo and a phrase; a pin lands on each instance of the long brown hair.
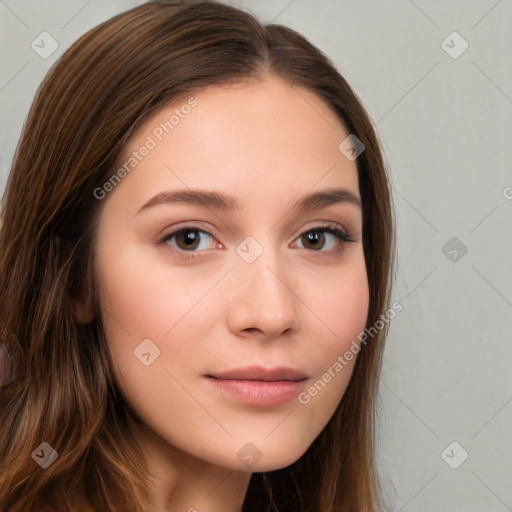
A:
(63, 393)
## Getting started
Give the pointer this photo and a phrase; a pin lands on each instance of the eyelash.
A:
(334, 229)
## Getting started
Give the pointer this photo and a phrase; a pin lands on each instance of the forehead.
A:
(247, 138)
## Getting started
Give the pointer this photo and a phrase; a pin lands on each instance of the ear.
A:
(80, 287)
(82, 311)
(81, 299)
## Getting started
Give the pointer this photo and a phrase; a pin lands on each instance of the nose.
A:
(263, 302)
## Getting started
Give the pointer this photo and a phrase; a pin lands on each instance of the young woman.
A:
(195, 248)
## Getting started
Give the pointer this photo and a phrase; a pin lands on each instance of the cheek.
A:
(342, 306)
(142, 301)
(136, 304)
(346, 308)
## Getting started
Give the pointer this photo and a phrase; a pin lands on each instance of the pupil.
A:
(190, 237)
(314, 238)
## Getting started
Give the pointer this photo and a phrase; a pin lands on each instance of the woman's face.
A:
(226, 301)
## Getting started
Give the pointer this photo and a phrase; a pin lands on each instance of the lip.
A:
(261, 373)
(256, 385)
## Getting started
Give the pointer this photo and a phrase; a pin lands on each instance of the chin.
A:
(269, 456)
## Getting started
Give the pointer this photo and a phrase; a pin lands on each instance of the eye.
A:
(188, 239)
(324, 237)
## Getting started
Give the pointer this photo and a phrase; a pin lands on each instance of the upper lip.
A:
(260, 373)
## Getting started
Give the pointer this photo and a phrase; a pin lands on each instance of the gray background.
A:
(443, 123)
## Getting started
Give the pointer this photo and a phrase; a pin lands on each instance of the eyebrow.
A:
(220, 201)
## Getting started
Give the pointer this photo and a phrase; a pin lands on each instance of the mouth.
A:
(257, 385)
(262, 374)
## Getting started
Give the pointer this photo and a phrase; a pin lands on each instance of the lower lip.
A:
(257, 392)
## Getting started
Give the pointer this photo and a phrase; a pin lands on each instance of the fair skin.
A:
(299, 304)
